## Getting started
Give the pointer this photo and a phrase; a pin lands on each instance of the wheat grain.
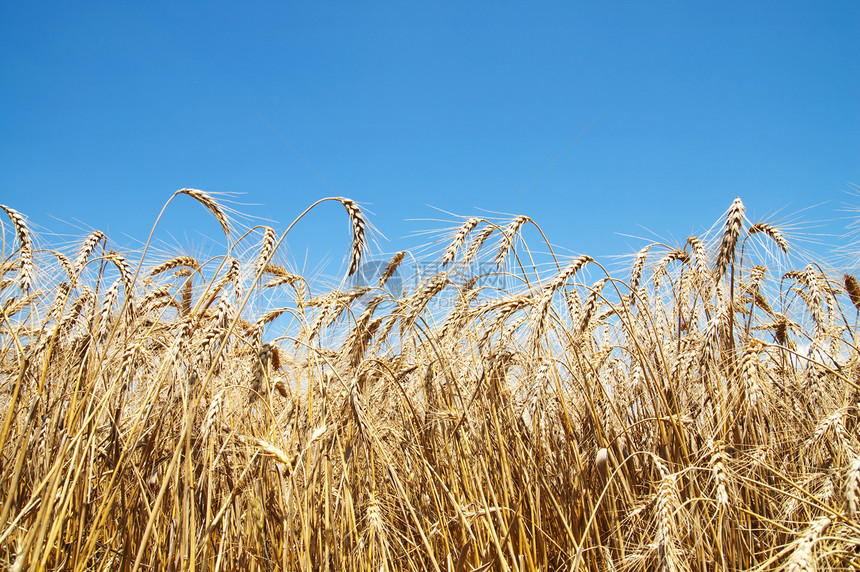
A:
(537, 321)
(213, 412)
(276, 270)
(86, 249)
(64, 263)
(377, 530)
(358, 339)
(843, 438)
(538, 314)
(675, 255)
(814, 284)
(13, 305)
(331, 306)
(454, 321)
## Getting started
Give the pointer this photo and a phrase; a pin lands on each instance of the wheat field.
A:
(697, 410)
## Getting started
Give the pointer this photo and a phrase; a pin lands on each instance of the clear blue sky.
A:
(667, 111)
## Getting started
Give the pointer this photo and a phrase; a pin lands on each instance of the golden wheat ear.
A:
(508, 238)
(459, 238)
(176, 262)
(86, 249)
(853, 289)
(25, 278)
(356, 218)
(852, 488)
(771, 231)
(732, 231)
(391, 268)
(269, 241)
(211, 205)
(477, 242)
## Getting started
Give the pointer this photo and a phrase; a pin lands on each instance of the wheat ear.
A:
(569, 271)
(852, 488)
(269, 240)
(477, 242)
(175, 262)
(636, 269)
(853, 289)
(458, 240)
(772, 232)
(734, 220)
(211, 205)
(667, 502)
(802, 559)
(356, 218)
(717, 463)
(86, 249)
(391, 268)
(508, 237)
(26, 254)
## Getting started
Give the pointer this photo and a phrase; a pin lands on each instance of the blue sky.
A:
(595, 119)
